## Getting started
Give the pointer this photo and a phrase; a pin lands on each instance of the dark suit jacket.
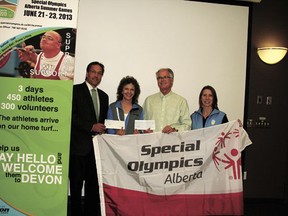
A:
(83, 118)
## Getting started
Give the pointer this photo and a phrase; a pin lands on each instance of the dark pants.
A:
(83, 168)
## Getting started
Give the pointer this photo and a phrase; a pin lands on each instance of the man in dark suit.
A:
(87, 121)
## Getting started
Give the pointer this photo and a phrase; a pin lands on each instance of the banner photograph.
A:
(196, 172)
(37, 51)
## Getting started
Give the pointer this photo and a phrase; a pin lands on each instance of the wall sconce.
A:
(271, 55)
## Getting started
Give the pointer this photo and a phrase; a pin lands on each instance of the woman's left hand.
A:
(136, 131)
(120, 132)
(240, 123)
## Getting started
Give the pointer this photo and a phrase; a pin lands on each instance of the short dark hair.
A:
(127, 80)
(214, 94)
(95, 63)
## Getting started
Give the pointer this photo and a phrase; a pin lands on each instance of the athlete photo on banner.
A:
(37, 60)
(47, 53)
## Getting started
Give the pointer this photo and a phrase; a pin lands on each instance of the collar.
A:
(167, 95)
(55, 58)
(90, 87)
(214, 111)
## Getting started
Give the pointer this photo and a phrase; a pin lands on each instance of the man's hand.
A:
(98, 128)
(168, 129)
(27, 54)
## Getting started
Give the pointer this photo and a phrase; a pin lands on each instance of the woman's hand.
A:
(120, 132)
(136, 131)
(240, 123)
(148, 131)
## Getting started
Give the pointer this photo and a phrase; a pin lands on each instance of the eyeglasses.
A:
(163, 77)
(47, 37)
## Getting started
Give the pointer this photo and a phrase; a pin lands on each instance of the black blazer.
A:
(83, 118)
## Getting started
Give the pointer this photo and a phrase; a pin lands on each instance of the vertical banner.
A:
(37, 51)
(197, 172)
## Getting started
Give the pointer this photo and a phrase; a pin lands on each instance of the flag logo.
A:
(226, 156)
